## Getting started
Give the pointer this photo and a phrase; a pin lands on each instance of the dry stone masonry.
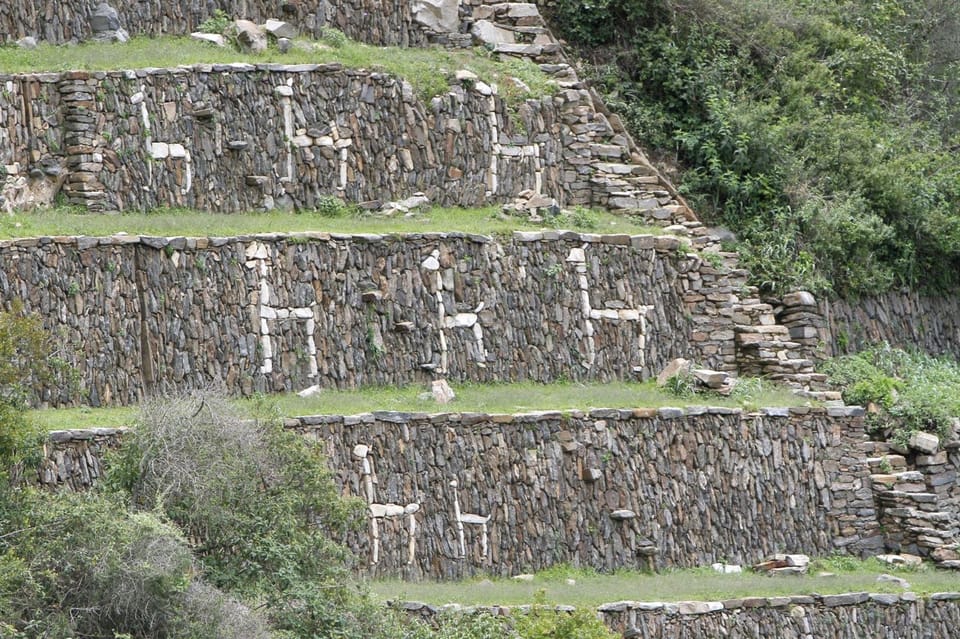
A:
(900, 318)
(73, 459)
(243, 137)
(379, 22)
(278, 312)
(453, 494)
(844, 616)
(329, 138)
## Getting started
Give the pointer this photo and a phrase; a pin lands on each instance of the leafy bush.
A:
(545, 622)
(907, 391)
(333, 37)
(80, 564)
(816, 131)
(217, 23)
(332, 206)
(260, 504)
(682, 385)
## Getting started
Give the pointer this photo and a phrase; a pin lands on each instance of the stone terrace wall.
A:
(843, 616)
(900, 318)
(74, 458)
(276, 313)
(453, 494)
(607, 489)
(379, 22)
(242, 137)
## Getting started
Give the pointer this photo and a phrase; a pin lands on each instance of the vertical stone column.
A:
(82, 141)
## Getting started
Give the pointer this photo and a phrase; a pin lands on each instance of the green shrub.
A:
(910, 391)
(545, 622)
(260, 503)
(217, 23)
(812, 130)
(332, 206)
(682, 385)
(333, 37)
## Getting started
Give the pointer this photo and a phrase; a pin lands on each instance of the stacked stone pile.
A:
(84, 153)
(767, 349)
(858, 529)
(514, 29)
(74, 458)
(918, 507)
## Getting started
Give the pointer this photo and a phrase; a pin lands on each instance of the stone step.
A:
(899, 496)
(891, 461)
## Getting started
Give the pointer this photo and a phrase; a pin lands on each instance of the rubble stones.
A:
(441, 392)
(105, 24)
(675, 367)
(280, 29)
(213, 38)
(924, 442)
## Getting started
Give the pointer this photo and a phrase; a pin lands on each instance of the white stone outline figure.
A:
(578, 258)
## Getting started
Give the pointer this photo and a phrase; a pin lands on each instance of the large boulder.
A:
(250, 36)
(675, 367)
(105, 24)
(440, 16)
(212, 38)
(487, 33)
(104, 18)
(280, 29)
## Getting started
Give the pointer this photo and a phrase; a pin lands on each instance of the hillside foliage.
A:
(825, 134)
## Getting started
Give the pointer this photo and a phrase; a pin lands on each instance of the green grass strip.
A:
(182, 222)
(429, 69)
(474, 398)
(699, 584)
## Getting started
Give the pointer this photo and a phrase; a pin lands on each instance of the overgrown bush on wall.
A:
(903, 391)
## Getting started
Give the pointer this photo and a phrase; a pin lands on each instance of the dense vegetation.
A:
(903, 391)
(824, 133)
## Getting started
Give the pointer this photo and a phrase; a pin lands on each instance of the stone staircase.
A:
(916, 496)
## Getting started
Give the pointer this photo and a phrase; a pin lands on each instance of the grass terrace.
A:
(834, 575)
(750, 394)
(429, 70)
(338, 218)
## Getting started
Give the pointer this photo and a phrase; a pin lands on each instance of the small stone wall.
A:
(844, 616)
(278, 312)
(900, 318)
(74, 458)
